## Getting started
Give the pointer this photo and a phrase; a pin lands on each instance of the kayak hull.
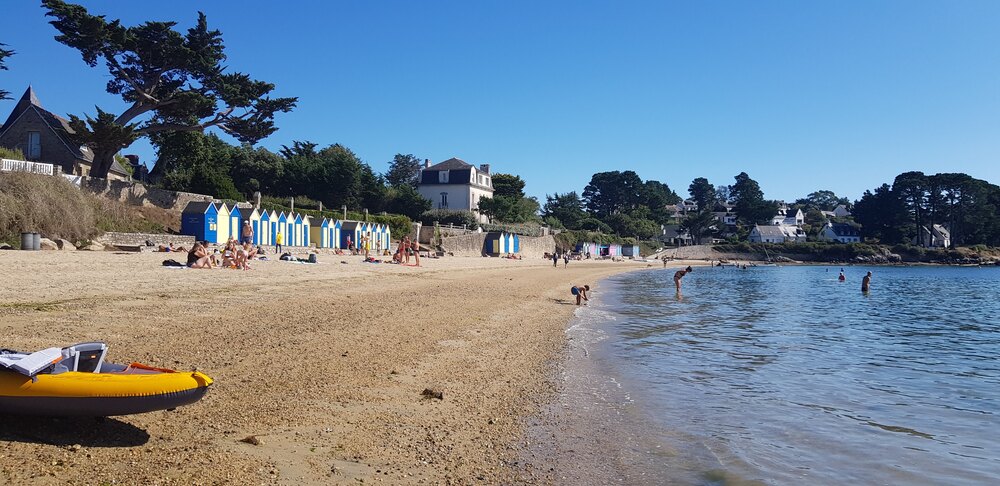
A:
(100, 394)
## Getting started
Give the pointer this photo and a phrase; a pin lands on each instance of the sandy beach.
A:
(324, 364)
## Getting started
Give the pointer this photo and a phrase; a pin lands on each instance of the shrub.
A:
(7, 153)
(447, 216)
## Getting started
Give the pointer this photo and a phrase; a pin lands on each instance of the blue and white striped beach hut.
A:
(272, 234)
(319, 231)
(630, 250)
(263, 236)
(517, 244)
(234, 223)
(297, 230)
(496, 244)
(588, 248)
(350, 230)
(335, 234)
(282, 229)
(200, 219)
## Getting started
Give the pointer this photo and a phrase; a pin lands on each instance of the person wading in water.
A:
(679, 275)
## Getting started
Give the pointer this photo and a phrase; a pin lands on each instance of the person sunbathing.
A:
(198, 257)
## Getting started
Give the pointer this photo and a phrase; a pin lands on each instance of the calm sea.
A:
(784, 375)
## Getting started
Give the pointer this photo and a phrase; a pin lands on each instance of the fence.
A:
(9, 165)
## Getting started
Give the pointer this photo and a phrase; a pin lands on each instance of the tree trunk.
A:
(101, 164)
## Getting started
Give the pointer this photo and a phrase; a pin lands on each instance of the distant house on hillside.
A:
(43, 136)
(936, 236)
(455, 184)
(776, 233)
(672, 234)
(840, 233)
(789, 217)
(838, 212)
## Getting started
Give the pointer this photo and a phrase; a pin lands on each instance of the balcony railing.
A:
(9, 165)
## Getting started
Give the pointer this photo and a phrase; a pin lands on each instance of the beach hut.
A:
(378, 237)
(263, 236)
(234, 223)
(297, 230)
(387, 238)
(588, 248)
(306, 231)
(201, 220)
(222, 235)
(350, 230)
(496, 244)
(510, 243)
(319, 231)
(282, 228)
(517, 244)
(272, 233)
(290, 229)
(630, 250)
(335, 234)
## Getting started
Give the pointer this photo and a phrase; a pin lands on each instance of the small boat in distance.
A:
(76, 381)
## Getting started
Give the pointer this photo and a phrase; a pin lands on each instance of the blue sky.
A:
(801, 95)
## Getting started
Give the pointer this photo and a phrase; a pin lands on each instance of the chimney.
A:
(484, 168)
(427, 163)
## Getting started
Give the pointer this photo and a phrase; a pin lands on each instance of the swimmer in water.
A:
(866, 282)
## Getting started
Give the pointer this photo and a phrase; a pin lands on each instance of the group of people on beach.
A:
(233, 255)
(407, 248)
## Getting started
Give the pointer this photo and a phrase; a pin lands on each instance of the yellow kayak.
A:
(76, 381)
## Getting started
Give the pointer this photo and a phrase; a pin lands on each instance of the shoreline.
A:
(324, 364)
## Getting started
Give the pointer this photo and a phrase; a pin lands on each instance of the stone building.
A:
(455, 184)
(43, 136)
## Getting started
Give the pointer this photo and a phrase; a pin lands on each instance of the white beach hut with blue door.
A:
(200, 219)
(264, 236)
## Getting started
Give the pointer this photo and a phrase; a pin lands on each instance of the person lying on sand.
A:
(580, 292)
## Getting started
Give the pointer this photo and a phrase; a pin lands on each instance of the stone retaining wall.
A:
(140, 239)
(473, 245)
(138, 194)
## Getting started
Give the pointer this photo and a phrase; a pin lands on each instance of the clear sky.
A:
(839, 95)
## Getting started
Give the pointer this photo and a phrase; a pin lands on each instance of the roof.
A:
(450, 164)
(198, 207)
(770, 230)
(59, 125)
(844, 229)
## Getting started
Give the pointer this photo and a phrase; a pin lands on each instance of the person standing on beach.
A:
(247, 232)
(416, 253)
(866, 283)
(555, 259)
(580, 292)
(565, 260)
(679, 275)
(279, 239)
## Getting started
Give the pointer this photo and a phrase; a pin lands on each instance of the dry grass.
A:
(58, 209)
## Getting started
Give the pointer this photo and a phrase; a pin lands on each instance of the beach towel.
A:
(172, 263)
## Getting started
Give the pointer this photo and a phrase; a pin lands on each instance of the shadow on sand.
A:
(66, 431)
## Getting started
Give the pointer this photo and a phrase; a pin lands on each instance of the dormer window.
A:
(443, 177)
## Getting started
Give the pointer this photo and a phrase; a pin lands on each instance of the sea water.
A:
(786, 375)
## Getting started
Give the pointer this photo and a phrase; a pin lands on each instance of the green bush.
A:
(7, 153)
(447, 216)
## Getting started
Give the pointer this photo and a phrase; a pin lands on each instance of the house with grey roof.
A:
(43, 136)
(455, 184)
(934, 236)
(776, 233)
(840, 233)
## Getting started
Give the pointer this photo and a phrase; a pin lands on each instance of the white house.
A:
(455, 184)
(777, 233)
(936, 236)
(838, 212)
(840, 232)
(789, 217)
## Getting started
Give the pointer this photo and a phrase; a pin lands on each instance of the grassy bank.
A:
(56, 208)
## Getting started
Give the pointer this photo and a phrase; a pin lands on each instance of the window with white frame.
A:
(444, 200)
(443, 177)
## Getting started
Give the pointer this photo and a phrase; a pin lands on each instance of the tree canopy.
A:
(702, 193)
(173, 81)
(4, 54)
(749, 203)
(404, 170)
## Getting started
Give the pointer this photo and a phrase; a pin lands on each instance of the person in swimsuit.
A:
(580, 292)
(198, 257)
(415, 248)
(841, 277)
(679, 275)
(247, 232)
(866, 282)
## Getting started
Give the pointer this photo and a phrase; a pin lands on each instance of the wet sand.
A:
(324, 364)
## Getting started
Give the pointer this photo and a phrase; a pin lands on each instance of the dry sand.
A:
(324, 364)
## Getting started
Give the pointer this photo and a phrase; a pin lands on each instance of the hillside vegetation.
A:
(56, 208)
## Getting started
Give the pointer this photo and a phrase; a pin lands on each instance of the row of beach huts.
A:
(217, 222)
(595, 250)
